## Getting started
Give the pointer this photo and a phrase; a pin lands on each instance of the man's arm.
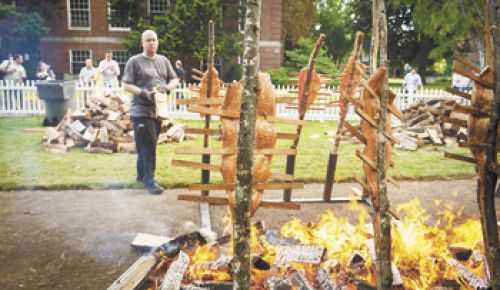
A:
(137, 91)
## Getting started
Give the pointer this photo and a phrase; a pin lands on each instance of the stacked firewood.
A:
(103, 126)
(429, 121)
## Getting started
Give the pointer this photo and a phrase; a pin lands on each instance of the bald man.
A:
(143, 74)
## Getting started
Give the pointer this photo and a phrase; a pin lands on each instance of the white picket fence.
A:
(22, 99)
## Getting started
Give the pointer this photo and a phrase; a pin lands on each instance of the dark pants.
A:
(146, 131)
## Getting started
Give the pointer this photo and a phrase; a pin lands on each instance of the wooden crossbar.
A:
(355, 132)
(361, 182)
(318, 93)
(282, 120)
(198, 101)
(467, 63)
(202, 131)
(459, 93)
(458, 122)
(224, 201)
(258, 186)
(460, 157)
(365, 159)
(197, 165)
(365, 117)
(486, 83)
(470, 110)
(218, 112)
(228, 151)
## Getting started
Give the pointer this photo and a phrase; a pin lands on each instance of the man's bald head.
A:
(149, 41)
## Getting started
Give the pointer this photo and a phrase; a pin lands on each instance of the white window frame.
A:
(157, 12)
(68, 11)
(70, 51)
(112, 28)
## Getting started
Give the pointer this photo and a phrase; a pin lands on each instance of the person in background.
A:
(412, 81)
(110, 70)
(87, 73)
(13, 69)
(44, 72)
(144, 74)
(179, 71)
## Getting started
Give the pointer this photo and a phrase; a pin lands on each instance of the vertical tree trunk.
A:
(489, 221)
(382, 218)
(205, 174)
(246, 140)
(375, 36)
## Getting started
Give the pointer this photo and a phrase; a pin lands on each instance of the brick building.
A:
(83, 30)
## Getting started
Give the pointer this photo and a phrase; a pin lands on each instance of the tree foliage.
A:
(299, 19)
(183, 31)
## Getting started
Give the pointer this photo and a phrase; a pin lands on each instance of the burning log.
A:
(299, 280)
(324, 281)
(460, 253)
(299, 254)
(468, 276)
(209, 285)
(278, 283)
(173, 277)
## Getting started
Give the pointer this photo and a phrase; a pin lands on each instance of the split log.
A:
(173, 277)
(135, 274)
(324, 281)
(299, 254)
(214, 285)
(472, 279)
(299, 280)
(278, 283)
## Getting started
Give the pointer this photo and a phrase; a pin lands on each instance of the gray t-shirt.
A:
(146, 74)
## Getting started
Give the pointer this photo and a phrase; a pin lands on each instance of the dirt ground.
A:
(81, 239)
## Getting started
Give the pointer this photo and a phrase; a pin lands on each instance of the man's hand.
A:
(164, 89)
(150, 96)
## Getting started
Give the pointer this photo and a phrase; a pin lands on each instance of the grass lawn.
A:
(24, 164)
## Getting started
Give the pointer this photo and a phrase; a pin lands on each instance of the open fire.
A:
(333, 253)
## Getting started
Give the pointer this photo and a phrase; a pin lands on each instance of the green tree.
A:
(334, 21)
(448, 23)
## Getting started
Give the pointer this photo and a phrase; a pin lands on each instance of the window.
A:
(79, 14)
(77, 59)
(121, 57)
(118, 19)
(158, 6)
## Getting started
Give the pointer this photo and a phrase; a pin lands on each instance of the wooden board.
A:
(202, 131)
(228, 151)
(218, 112)
(282, 120)
(286, 136)
(135, 274)
(459, 93)
(198, 101)
(258, 186)
(460, 157)
(355, 132)
(223, 201)
(142, 240)
(197, 165)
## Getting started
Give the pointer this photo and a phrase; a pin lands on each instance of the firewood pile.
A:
(428, 122)
(104, 126)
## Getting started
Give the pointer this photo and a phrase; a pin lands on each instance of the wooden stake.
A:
(246, 136)
(290, 161)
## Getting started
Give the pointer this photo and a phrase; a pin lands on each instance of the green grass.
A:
(24, 164)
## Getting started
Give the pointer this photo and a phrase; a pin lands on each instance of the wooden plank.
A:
(486, 83)
(281, 176)
(473, 145)
(355, 132)
(218, 112)
(458, 122)
(213, 151)
(228, 151)
(283, 120)
(135, 274)
(365, 117)
(198, 101)
(286, 136)
(258, 186)
(142, 240)
(299, 254)
(459, 93)
(318, 93)
(460, 157)
(393, 181)
(362, 183)
(470, 110)
(202, 131)
(197, 165)
(366, 159)
(467, 63)
(224, 201)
